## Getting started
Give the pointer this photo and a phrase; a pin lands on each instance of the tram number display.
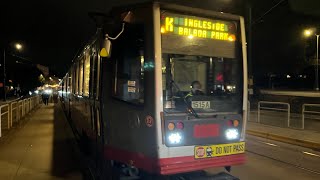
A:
(200, 104)
(201, 152)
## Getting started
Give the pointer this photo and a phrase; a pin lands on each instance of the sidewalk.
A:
(304, 138)
(41, 149)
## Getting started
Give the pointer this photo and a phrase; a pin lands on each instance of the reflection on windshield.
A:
(207, 84)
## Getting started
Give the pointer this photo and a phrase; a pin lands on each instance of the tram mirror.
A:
(126, 17)
(105, 47)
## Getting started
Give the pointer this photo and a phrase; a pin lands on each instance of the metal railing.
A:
(305, 111)
(261, 107)
(248, 111)
(2, 114)
(12, 112)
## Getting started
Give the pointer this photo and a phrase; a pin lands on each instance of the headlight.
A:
(232, 134)
(175, 138)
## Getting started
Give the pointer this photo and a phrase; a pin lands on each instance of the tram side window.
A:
(76, 82)
(70, 82)
(81, 77)
(128, 75)
(86, 74)
(95, 73)
(65, 84)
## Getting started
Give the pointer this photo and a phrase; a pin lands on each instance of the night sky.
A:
(53, 31)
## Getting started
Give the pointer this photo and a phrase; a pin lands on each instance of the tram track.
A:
(278, 151)
(291, 164)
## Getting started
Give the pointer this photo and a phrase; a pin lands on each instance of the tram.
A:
(161, 89)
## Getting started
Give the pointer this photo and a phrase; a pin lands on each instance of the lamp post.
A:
(317, 64)
(18, 47)
(308, 33)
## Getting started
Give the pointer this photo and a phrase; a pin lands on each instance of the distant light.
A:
(307, 32)
(221, 12)
(48, 91)
(288, 76)
(36, 91)
(18, 46)
(190, 36)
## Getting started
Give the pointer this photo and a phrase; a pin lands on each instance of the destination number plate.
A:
(201, 152)
(200, 104)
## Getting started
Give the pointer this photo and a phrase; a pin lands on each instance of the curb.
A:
(298, 142)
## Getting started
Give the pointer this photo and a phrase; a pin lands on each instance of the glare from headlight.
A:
(232, 134)
(175, 138)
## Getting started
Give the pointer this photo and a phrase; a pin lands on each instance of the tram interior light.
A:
(175, 138)
(232, 134)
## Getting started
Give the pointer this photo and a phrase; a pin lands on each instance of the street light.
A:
(18, 47)
(308, 33)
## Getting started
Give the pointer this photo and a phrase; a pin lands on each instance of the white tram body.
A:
(135, 107)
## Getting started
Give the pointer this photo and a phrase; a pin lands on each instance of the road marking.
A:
(270, 144)
(311, 154)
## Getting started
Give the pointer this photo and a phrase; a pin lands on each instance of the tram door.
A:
(96, 123)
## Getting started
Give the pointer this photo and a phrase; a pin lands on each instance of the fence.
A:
(306, 111)
(262, 106)
(12, 112)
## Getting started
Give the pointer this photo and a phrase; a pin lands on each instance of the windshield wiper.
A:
(190, 108)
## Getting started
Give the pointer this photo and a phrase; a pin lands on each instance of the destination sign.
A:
(191, 26)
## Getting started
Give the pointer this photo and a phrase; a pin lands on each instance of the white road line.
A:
(311, 154)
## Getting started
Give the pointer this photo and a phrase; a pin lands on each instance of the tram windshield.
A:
(201, 64)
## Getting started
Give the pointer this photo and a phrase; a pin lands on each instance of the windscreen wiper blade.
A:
(190, 109)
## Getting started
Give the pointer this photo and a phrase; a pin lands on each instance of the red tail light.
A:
(180, 125)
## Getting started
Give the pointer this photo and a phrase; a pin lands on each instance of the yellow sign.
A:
(201, 152)
(197, 27)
